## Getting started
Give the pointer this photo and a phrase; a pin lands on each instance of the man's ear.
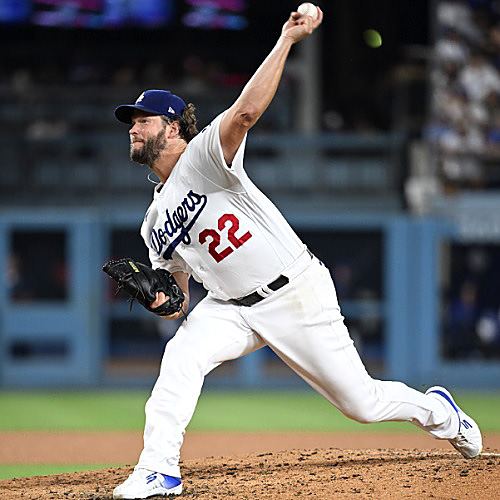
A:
(174, 131)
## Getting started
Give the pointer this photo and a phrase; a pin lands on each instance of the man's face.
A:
(147, 138)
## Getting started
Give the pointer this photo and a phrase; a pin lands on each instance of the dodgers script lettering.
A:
(175, 224)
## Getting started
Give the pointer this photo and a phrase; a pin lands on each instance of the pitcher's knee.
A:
(362, 415)
(362, 410)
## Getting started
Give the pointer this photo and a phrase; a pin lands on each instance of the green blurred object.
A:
(372, 38)
(216, 411)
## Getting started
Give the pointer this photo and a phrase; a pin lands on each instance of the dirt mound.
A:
(318, 473)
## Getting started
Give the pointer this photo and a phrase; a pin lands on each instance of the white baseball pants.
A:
(302, 324)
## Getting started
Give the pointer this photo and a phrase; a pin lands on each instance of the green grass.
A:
(217, 410)
(17, 470)
(72, 410)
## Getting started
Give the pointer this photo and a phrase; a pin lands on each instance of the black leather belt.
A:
(255, 297)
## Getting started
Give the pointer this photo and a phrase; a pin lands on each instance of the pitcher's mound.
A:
(317, 473)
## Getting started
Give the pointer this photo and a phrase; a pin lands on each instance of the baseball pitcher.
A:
(209, 221)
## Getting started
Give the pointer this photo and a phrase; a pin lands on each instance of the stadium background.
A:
(385, 160)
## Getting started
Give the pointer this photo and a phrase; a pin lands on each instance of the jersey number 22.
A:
(215, 237)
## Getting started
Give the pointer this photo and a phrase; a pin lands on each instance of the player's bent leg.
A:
(312, 339)
(381, 401)
(345, 383)
(213, 333)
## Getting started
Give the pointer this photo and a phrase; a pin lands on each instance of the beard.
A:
(150, 151)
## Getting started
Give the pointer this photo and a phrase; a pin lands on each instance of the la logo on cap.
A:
(140, 98)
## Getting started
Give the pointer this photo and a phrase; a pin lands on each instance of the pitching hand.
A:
(298, 26)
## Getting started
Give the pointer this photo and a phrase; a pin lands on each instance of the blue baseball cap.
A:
(156, 102)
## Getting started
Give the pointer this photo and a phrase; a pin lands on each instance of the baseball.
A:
(308, 9)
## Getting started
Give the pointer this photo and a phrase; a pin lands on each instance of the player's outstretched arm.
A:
(260, 89)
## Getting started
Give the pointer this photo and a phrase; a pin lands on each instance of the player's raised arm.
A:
(260, 89)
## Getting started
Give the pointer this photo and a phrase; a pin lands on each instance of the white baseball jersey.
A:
(210, 221)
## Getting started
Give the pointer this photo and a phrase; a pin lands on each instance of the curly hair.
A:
(187, 122)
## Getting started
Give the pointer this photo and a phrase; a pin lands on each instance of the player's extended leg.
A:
(214, 332)
(302, 323)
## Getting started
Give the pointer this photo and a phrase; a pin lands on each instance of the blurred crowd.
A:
(464, 125)
(472, 315)
(463, 129)
(85, 69)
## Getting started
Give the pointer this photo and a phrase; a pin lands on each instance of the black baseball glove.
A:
(142, 283)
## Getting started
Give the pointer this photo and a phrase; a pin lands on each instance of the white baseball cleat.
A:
(143, 483)
(468, 440)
